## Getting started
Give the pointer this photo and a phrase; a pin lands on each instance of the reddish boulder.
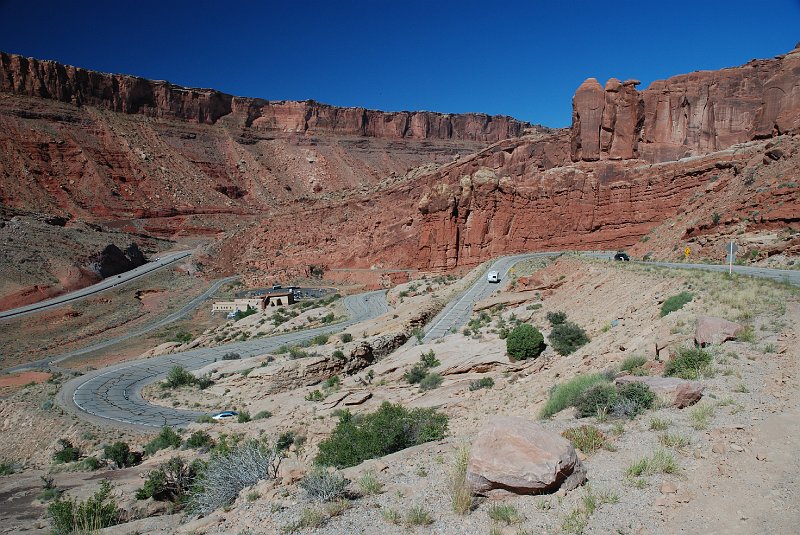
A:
(711, 330)
(517, 455)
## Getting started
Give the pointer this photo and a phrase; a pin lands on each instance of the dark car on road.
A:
(622, 256)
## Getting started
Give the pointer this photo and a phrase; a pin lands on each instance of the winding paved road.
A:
(144, 329)
(105, 284)
(114, 393)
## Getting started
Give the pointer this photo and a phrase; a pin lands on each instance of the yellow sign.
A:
(687, 252)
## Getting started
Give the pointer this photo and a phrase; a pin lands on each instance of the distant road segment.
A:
(105, 284)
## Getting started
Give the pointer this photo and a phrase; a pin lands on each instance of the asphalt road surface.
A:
(184, 310)
(105, 284)
(113, 394)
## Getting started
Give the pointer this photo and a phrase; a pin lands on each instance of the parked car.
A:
(224, 415)
(622, 256)
(493, 276)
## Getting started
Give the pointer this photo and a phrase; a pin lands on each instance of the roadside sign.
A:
(687, 252)
(731, 249)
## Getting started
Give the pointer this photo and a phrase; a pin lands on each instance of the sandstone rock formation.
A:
(687, 115)
(133, 95)
(517, 455)
(711, 330)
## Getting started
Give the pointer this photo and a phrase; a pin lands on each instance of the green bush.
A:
(586, 438)
(179, 376)
(429, 360)
(205, 419)
(346, 337)
(389, 429)
(231, 356)
(243, 417)
(567, 337)
(244, 313)
(483, 382)
(183, 337)
(688, 363)
(171, 481)
(320, 339)
(430, 382)
(167, 438)
(204, 382)
(524, 342)
(634, 365)
(67, 454)
(556, 318)
(416, 374)
(596, 399)
(199, 440)
(338, 354)
(641, 393)
(321, 485)
(120, 453)
(6, 468)
(260, 415)
(675, 302)
(315, 395)
(91, 463)
(97, 512)
(566, 394)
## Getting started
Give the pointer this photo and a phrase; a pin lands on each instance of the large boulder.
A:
(517, 455)
(711, 330)
(680, 392)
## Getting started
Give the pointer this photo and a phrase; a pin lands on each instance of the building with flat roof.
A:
(237, 305)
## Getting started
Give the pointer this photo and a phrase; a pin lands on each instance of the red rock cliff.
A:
(688, 115)
(133, 95)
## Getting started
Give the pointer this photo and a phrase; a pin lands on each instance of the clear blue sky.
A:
(517, 58)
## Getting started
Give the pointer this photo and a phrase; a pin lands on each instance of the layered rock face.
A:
(687, 115)
(133, 95)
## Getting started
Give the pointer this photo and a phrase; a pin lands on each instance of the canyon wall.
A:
(686, 115)
(133, 95)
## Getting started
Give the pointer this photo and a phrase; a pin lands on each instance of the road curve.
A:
(183, 311)
(105, 284)
(113, 394)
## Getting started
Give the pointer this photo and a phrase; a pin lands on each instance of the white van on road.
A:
(493, 276)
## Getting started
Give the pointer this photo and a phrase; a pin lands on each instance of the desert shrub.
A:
(370, 484)
(243, 417)
(226, 474)
(389, 429)
(338, 354)
(483, 382)
(97, 512)
(183, 337)
(556, 318)
(199, 440)
(504, 513)
(524, 342)
(633, 365)
(6, 468)
(586, 438)
(167, 438)
(332, 383)
(320, 339)
(67, 454)
(204, 382)
(346, 337)
(231, 356)
(418, 516)
(461, 499)
(661, 462)
(120, 453)
(688, 363)
(323, 486)
(92, 463)
(416, 374)
(639, 396)
(205, 419)
(179, 376)
(566, 394)
(296, 352)
(596, 399)
(171, 481)
(260, 415)
(429, 360)
(430, 382)
(567, 337)
(315, 395)
(675, 302)
(244, 313)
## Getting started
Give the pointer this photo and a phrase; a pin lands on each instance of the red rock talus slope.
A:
(687, 115)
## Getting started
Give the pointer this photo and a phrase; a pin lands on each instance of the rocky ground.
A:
(735, 469)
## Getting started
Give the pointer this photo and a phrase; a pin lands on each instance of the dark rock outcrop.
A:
(113, 261)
